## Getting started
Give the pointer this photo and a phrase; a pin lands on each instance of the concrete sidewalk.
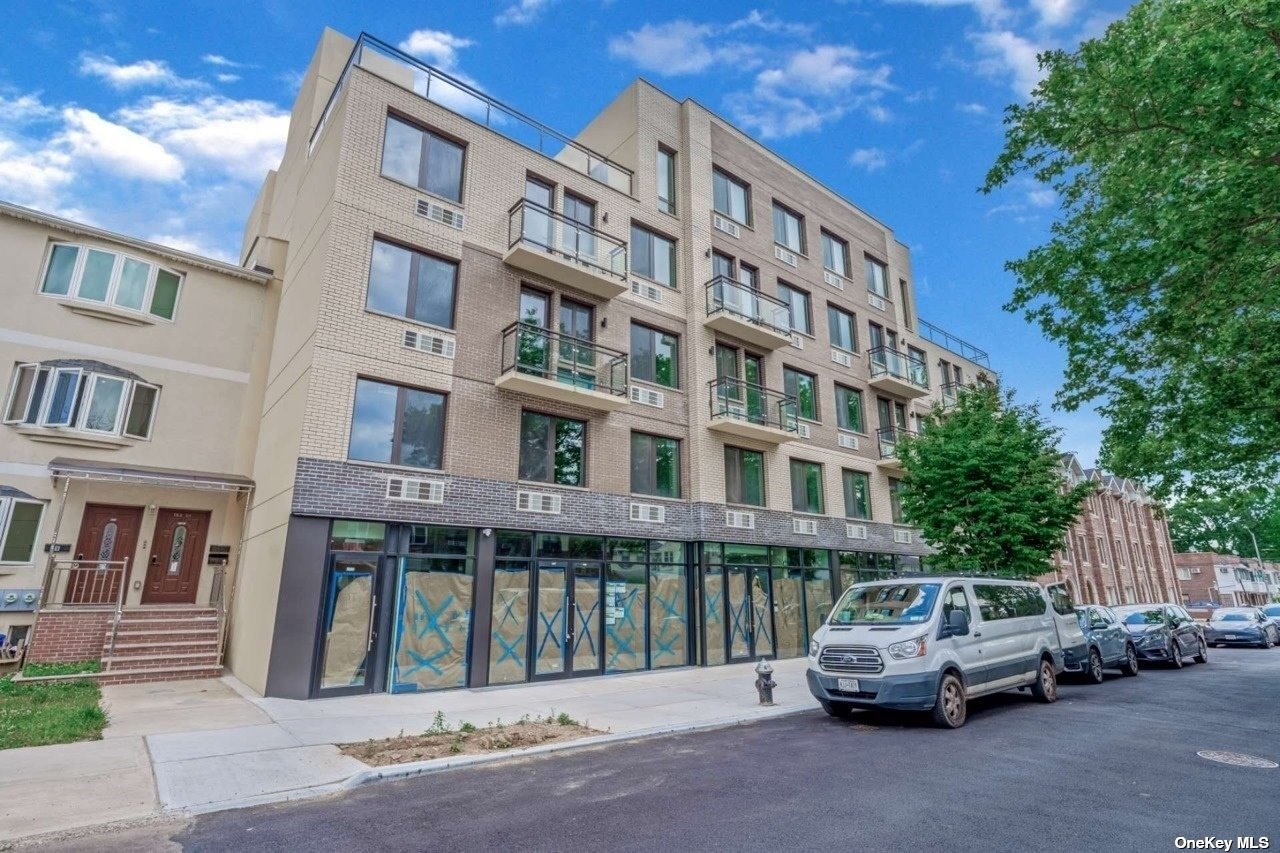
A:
(199, 746)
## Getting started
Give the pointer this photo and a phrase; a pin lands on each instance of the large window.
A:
(397, 425)
(849, 409)
(417, 156)
(19, 528)
(653, 256)
(788, 228)
(731, 197)
(412, 284)
(806, 486)
(840, 326)
(109, 278)
(552, 450)
(895, 501)
(835, 254)
(655, 356)
(82, 395)
(743, 476)
(877, 278)
(655, 465)
(804, 387)
(798, 306)
(857, 494)
(666, 180)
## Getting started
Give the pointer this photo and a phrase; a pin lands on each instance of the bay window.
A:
(93, 275)
(82, 395)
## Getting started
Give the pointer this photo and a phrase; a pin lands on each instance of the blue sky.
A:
(159, 118)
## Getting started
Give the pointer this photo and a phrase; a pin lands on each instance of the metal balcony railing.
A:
(898, 364)
(84, 583)
(888, 438)
(551, 231)
(946, 340)
(752, 403)
(746, 303)
(380, 58)
(564, 358)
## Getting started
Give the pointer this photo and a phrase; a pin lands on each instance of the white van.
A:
(932, 642)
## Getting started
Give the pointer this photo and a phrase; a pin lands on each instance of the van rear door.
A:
(1071, 640)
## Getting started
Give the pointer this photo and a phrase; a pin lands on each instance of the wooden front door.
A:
(108, 535)
(177, 553)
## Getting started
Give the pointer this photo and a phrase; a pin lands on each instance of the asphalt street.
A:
(1110, 767)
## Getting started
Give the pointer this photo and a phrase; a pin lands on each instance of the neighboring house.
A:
(133, 378)
(1226, 580)
(1118, 551)
(541, 406)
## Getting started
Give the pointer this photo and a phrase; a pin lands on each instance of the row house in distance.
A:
(133, 375)
(1209, 579)
(1118, 551)
(542, 406)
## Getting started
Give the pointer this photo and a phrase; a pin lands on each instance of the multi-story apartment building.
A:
(1227, 580)
(134, 376)
(1118, 551)
(542, 406)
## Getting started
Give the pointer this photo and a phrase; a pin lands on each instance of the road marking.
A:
(1236, 759)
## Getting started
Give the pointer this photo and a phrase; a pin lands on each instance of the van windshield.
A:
(886, 604)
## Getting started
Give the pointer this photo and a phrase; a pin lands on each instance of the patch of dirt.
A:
(423, 747)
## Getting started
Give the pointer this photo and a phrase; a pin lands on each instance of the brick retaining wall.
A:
(65, 637)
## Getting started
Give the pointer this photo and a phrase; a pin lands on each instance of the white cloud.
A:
(227, 78)
(24, 109)
(676, 47)
(32, 175)
(825, 70)
(189, 243)
(436, 46)
(810, 88)
(89, 137)
(521, 12)
(1055, 13)
(243, 138)
(972, 108)
(1041, 197)
(144, 72)
(871, 159)
(1007, 55)
(757, 20)
(991, 11)
(220, 61)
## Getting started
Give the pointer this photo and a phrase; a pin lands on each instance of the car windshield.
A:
(1143, 617)
(886, 604)
(1231, 616)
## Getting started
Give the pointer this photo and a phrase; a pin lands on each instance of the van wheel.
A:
(1130, 665)
(1094, 672)
(950, 711)
(839, 710)
(1046, 687)
(1202, 656)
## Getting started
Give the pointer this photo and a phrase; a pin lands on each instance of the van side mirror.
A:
(957, 623)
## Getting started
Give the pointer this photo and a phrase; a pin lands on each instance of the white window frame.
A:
(113, 284)
(79, 420)
(828, 237)
(95, 379)
(11, 397)
(6, 516)
(47, 402)
(151, 421)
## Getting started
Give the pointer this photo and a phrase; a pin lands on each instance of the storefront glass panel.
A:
(586, 617)
(788, 612)
(434, 597)
(509, 629)
(549, 626)
(626, 611)
(713, 613)
(668, 616)
(348, 608)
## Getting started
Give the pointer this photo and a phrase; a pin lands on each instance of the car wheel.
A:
(1175, 654)
(1269, 643)
(950, 709)
(1094, 672)
(1046, 687)
(839, 710)
(1130, 665)
(1203, 655)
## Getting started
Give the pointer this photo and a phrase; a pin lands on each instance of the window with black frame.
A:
(435, 589)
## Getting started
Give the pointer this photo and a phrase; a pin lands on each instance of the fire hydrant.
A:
(765, 682)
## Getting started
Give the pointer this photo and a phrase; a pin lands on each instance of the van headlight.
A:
(909, 649)
(813, 648)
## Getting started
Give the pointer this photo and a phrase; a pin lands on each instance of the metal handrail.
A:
(959, 346)
(93, 583)
(888, 440)
(563, 358)
(899, 364)
(746, 401)
(743, 301)
(551, 231)
(455, 95)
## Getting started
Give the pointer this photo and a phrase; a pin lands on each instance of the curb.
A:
(438, 765)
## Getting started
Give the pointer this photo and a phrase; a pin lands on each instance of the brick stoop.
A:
(124, 676)
(162, 645)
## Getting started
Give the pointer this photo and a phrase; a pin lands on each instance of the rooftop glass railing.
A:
(946, 340)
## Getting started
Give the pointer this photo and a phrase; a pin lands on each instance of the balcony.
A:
(897, 373)
(559, 367)
(543, 241)
(946, 340)
(747, 410)
(750, 316)
(887, 439)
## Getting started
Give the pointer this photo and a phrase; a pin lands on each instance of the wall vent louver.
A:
(803, 431)
(902, 537)
(415, 490)
(855, 531)
(646, 291)
(541, 502)
(828, 277)
(842, 358)
(439, 213)
(647, 397)
(648, 513)
(797, 341)
(787, 257)
(740, 519)
(728, 226)
(848, 442)
(804, 526)
(877, 302)
(429, 343)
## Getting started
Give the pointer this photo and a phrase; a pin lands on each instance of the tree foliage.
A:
(1162, 139)
(984, 485)
(1222, 522)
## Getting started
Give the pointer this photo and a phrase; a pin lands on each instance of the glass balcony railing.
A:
(888, 439)
(551, 231)
(744, 302)
(751, 403)
(946, 340)
(380, 58)
(535, 351)
(899, 365)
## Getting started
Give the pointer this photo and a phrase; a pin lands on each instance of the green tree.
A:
(984, 485)
(1162, 139)
(1222, 522)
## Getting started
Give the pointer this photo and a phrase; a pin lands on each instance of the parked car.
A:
(1244, 626)
(933, 643)
(1273, 612)
(1164, 632)
(1108, 643)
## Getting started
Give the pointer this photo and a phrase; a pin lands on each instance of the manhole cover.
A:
(1236, 759)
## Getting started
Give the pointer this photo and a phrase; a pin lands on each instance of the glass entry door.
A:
(750, 606)
(349, 626)
(569, 622)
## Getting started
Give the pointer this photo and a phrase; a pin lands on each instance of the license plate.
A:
(1232, 637)
(847, 685)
